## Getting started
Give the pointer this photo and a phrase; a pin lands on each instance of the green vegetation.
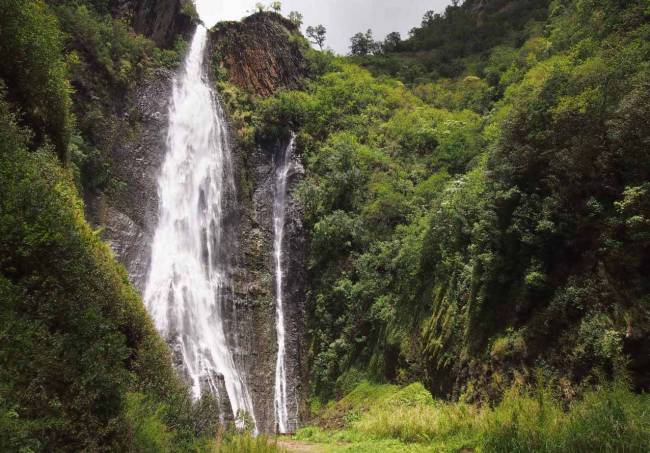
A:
(476, 213)
(485, 182)
(247, 444)
(29, 33)
(81, 365)
(387, 418)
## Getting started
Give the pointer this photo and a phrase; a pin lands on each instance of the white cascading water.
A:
(282, 167)
(184, 293)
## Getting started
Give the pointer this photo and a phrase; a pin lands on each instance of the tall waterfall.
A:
(188, 273)
(282, 166)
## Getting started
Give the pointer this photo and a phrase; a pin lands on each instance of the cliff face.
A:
(160, 20)
(250, 316)
(259, 53)
(260, 56)
(129, 215)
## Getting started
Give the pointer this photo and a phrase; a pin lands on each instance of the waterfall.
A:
(282, 167)
(189, 272)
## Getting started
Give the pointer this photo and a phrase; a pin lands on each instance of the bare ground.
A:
(297, 446)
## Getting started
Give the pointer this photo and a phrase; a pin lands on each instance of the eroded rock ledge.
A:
(261, 53)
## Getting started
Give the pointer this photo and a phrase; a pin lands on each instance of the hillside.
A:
(81, 365)
(475, 215)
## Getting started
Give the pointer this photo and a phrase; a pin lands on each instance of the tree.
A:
(363, 44)
(392, 42)
(296, 18)
(260, 7)
(276, 6)
(29, 34)
(317, 35)
(428, 18)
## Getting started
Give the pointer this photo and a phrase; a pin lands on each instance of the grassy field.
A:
(384, 418)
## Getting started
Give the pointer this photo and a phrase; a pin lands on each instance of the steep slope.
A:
(81, 366)
(489, 227)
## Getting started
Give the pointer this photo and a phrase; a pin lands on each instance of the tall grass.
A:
(610, 419)
(607, 419)
(244, 443)
(418, 423)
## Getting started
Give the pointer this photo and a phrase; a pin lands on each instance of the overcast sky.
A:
(342, 18)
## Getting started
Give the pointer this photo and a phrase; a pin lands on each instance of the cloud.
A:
(342, 18)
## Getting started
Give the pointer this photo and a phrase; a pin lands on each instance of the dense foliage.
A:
(457, 42)
(457, 222)
(477, 201)
(30, 36)
(81, 365)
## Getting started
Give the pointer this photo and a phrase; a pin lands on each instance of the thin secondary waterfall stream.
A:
(188, 273)
(282, 167)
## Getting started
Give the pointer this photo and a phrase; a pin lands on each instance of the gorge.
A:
(228, 239)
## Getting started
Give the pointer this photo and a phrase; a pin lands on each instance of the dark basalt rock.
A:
(226, 416)
(255, 284)
(129, 216)
(160, 20)
(261, 53)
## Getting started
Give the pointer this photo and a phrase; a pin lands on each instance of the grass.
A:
(381, 418)
(244, 443)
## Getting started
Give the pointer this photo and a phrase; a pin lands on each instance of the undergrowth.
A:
(387, 418)
(247, 444)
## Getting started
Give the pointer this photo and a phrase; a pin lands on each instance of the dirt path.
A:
(297, 446)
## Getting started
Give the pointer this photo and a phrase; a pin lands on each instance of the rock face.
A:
(259, 53)
(253, 316)
(129, 216)
(160, 20)
(269, 60)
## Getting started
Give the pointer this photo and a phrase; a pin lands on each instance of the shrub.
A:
(30, 36)
(76, 337)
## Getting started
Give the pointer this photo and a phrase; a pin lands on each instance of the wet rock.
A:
(215, 383)
(129, 214)
(254, 271)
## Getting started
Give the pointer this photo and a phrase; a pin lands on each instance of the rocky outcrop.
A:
(261, 53)
(160, 20)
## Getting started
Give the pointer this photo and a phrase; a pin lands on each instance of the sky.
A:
(342, 18)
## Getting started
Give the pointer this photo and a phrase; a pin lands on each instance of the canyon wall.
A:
(260, 56)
